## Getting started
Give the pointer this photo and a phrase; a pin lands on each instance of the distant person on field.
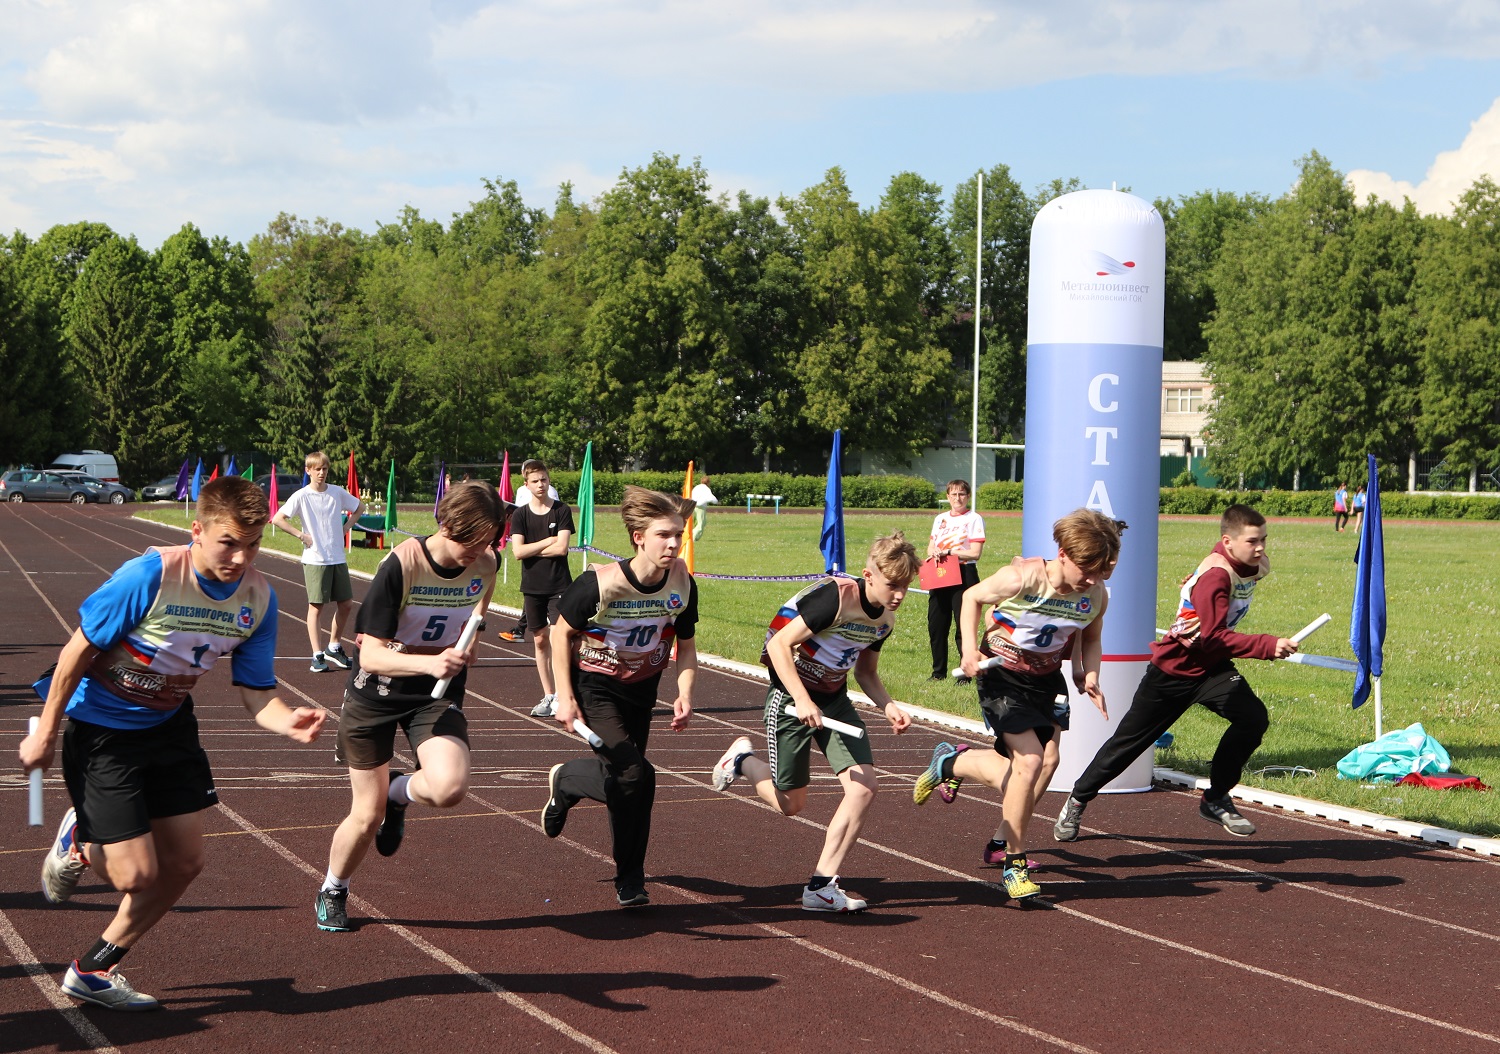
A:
(1194, 663)
(518, 631)
(1359, 508)
(1341, 507)
(956, 542)
(539, 534)
(321, 507)
(702, 498)
(135, 769)
(817, 637)
(1041, 610)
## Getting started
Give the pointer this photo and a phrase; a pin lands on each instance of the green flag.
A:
(249, 472)
(586, 499)
(390, 501)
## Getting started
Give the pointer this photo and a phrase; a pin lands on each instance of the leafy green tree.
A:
(1195, 229)
(1312, 349)
(869, 365)
(499, 226)
(1460, 343)
(119, 346)
(35, 413)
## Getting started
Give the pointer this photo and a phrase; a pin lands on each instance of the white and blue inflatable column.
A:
(1093, 425)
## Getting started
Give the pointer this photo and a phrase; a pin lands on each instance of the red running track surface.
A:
(1158, 932)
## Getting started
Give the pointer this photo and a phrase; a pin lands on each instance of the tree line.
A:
(664, 324)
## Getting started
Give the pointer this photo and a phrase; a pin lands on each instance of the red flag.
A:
(213, 475)
(274, 503)
(352, 486)
(507, 493)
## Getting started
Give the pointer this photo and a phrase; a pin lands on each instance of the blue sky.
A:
(146, 115)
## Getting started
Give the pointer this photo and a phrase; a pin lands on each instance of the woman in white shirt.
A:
(957, 540)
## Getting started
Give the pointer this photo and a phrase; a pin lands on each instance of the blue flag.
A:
(197, 483)
(231, 470)
(184, 480)
(832, 540)
(1367, 624)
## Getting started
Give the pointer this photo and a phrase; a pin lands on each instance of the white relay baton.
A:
(1311, 628)
(829, 723)
(34, 778)
(984, 664)
(465, 642)
(587, 733)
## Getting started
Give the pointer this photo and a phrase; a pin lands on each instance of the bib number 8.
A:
(1044, 636)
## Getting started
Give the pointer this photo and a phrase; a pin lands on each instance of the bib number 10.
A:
(640, 636)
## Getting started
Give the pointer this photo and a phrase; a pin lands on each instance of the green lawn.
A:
(1441, 648)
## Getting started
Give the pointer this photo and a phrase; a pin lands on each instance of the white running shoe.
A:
(65, 864)
(546, 708)
(724, 773)
(109, 990)
(831, 898)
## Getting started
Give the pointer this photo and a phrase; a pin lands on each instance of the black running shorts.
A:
(367, 731)
(122, 779)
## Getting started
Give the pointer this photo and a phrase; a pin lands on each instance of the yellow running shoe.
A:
(1018, 883)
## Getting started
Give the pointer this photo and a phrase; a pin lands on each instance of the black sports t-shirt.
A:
(379, 616)
(544, 576)
(581, 603)
(818, 610)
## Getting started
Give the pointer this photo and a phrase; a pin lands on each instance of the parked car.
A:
(30, 484)
(91, 462)
(162, 490)
(113, 493)
(285, 485)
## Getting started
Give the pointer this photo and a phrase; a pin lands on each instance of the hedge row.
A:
(860, 492)
(1202, 501)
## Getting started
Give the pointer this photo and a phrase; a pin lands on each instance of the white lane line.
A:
(56, 614)
(27, 961)
(422, 944)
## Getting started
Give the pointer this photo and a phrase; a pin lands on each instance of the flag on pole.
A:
(831, 543)
(184, 480)
(507, 494)
(351, 484)
(249, 472)
(390, 502)
(586, 501)
(197, 483)
(687, 534)
(1367, 623)
(231, 471)
(275, 503)
(442, 488)
(213, 475)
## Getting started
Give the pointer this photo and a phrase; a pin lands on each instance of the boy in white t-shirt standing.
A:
(321, 508)
(957, 540)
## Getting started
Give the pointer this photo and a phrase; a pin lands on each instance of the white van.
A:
(94, 462)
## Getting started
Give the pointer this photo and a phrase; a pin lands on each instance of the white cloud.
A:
(1452, 173)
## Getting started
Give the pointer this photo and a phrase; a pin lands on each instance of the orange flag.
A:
(687, 533)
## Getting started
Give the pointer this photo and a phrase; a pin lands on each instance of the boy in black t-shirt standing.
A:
(539, 536)
(612, 640)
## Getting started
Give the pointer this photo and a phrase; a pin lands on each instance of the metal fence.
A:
(1435, 473)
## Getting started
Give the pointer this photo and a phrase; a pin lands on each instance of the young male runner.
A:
(818, 636)
(1194, 663)
(321, 508)
(136, 772)
(1038, 606)
(612, 639)
(539, 535)
(423, 593)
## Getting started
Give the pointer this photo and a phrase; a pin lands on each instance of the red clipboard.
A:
(937, 574)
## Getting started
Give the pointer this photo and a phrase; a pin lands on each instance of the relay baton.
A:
(587, 733)
(1311, 628)
(1327, 662)
(984, 664)
(465, 642)
(34, 778)
(842, 727)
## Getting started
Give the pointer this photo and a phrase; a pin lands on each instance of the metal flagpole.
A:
(978, 289)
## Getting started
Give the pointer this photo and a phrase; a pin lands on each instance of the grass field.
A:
(1441, 650)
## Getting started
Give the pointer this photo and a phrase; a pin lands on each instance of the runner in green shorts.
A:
(831, 627)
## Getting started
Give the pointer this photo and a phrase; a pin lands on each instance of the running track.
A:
(1162, 933)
